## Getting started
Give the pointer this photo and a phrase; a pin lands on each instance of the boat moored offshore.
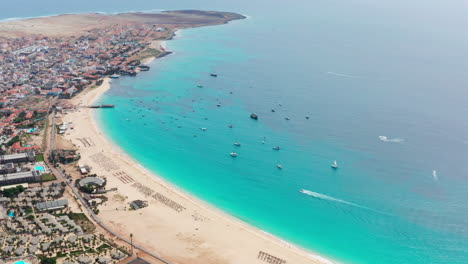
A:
(334, 165)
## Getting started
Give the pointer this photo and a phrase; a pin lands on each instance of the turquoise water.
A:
(39, 168)
(359, 70)
(11, 214)
(21, 262)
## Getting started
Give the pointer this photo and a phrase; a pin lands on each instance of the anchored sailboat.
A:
(334, 165)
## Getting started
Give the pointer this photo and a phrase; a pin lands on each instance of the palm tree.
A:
(131, 243)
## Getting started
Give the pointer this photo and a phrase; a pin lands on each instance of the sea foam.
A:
(395, 140)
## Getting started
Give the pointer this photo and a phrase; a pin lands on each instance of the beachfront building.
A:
(20, 177)
(97, 182)
(18, 157)
(91, 184)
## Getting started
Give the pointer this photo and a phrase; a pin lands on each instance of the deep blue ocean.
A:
(384, 84)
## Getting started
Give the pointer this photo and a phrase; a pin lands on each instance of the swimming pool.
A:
(11, 214)
(20, 262)
(39, 168)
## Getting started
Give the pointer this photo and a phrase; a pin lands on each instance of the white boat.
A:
(334, 165)
(200, 86)
(203, 129)
(237, 144)
(279, 166)
(276, 148)
(114, 76)
(233, 154)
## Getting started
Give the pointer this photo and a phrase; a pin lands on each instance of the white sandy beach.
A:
(175, 225)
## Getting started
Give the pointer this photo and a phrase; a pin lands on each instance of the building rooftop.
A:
(138, 260)
(50, 205)
(18, 175)
(91, 180)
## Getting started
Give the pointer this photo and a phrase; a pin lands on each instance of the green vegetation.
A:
(46, 132)
(29, 210)
(20, 118)
(102, 247)
(88, 188)
(39, 157)
(77, 252)
(83, 221)
(30, 217)
(30, 125)
(77, 216)
(148, 53)
(11, 192)
(61, 255)
(45, 260)
(47, 177)
(13, 141)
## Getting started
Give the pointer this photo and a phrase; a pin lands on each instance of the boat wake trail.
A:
(343, 75)
(329, 198)
(395, 140)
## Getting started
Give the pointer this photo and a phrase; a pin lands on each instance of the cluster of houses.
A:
(62, 66)
(51, 235)
(39, 67)
(38, 221)
(35, 71)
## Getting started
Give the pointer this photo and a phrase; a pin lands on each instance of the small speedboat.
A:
(203, 129)
(287, 118)
(272, 110)
(114, 76)
(254, 116)
(233, 154)
(213, 75)
(231, 126)
(279, 166)
(302, 191)
(237, 144)
(218, 105)
(276, 148)
(200, 86)
(334, 165)
(307, 117)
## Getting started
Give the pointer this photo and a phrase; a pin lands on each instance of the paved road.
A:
(59, 174)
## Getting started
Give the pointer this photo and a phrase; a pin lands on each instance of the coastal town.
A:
(46, 212)
(66, 196)
(40, 219)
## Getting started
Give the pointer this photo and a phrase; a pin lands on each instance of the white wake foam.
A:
(343, 75)
(333, 199)
(434, 175)
(395, 140)
(329, 198)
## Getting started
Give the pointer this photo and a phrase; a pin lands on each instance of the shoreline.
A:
(108, 145)
(84, 119)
